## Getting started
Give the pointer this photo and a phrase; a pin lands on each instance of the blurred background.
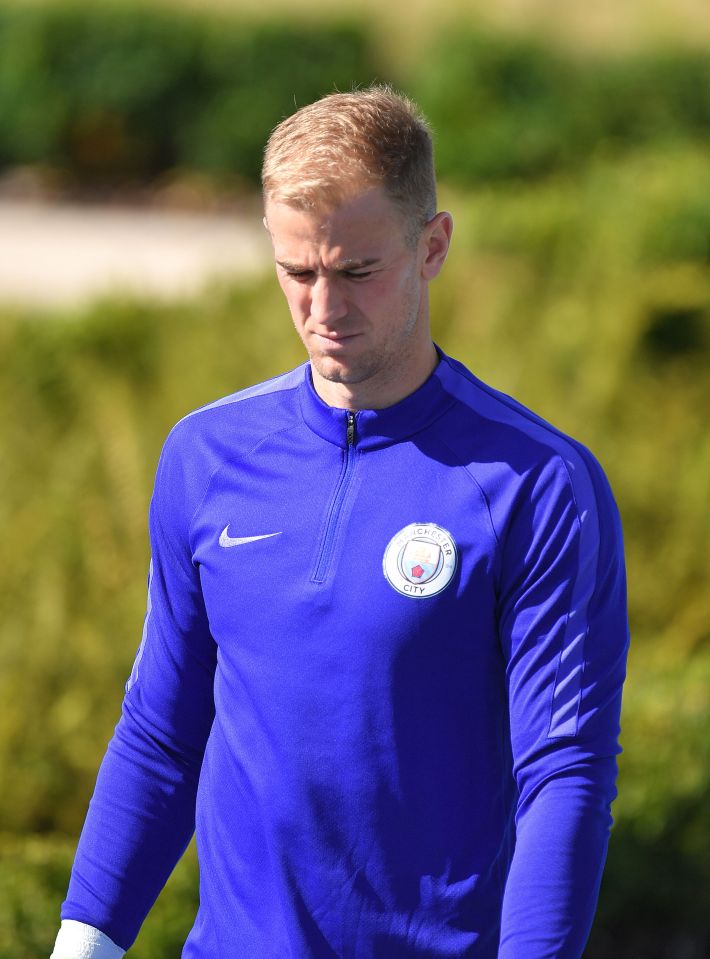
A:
(573, 145)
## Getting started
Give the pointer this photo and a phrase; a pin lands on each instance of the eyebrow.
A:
(342, 266)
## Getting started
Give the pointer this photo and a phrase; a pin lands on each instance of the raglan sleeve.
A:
(141, 816)
(564, 632)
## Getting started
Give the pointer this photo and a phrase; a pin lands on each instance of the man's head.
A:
(346, 142)
(350, 205)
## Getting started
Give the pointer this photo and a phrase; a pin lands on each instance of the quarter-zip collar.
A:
(377, 428)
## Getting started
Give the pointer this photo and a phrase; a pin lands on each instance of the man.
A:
(386, 625)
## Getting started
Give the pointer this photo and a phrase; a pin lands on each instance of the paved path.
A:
(61, 255)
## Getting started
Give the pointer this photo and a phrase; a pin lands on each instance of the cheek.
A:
(297, 300)
(376, 298)
(389, 301)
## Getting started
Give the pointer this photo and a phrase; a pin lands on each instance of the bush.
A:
(561, 293)
(85, 403)
(34, 873)
(114, 91)
(258, 76)
(510, 106)
(497, 105)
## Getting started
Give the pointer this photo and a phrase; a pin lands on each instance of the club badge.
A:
(420, 560)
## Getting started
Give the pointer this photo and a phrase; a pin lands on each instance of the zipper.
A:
(328, 542)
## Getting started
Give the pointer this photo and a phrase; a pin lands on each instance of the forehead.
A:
(364, 224)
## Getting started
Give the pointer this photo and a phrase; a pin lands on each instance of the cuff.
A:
(76, 940)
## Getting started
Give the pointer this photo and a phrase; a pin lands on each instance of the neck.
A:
(377, 392)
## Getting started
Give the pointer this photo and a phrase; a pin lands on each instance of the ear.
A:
(434, 244)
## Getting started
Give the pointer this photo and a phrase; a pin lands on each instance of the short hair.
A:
(370, 137)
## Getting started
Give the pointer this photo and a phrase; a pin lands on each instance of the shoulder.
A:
(223, 431)
(509, 445)
(262, 406)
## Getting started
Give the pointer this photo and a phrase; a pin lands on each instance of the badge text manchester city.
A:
(420, 560)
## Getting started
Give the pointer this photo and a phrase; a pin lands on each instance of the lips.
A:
(335, 341)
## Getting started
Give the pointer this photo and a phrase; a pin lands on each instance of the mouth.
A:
(334, 342)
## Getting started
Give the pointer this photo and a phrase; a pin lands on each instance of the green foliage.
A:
(113, 91)
(584, 293)
(34, 872)
(84, 406)
(33, 879)
(256, 77)
(658, 870)
(558, 293)
(512, 106)
(562, 295)
(563, 307)
(496, 103)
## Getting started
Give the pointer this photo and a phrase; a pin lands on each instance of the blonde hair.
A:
(325, 151)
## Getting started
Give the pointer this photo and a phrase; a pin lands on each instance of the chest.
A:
(319, 540)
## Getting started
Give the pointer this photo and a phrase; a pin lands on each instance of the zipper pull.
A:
(351, 428)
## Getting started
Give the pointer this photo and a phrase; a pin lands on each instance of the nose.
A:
(327, 302)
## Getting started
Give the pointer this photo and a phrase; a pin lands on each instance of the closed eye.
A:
(305, 276)
(358, 276)
(299, 274)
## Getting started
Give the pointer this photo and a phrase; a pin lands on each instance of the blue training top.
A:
(382, 664)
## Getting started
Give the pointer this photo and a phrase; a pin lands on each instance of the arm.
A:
(141, 816)
(564, 633)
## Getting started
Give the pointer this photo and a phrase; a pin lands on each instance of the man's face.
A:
(358, 296)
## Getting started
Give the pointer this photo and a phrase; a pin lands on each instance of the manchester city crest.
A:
(420, 560)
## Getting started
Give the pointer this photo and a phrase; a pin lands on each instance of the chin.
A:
(335, 371)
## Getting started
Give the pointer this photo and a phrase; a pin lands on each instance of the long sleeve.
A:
(142, 813)
(565, 635)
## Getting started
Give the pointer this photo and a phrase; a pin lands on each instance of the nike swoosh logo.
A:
(226, 540)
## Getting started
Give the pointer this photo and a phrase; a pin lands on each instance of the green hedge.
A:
(647, 907)
(34, 873)
(559, 293)
(510, 106)
(111, 91)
